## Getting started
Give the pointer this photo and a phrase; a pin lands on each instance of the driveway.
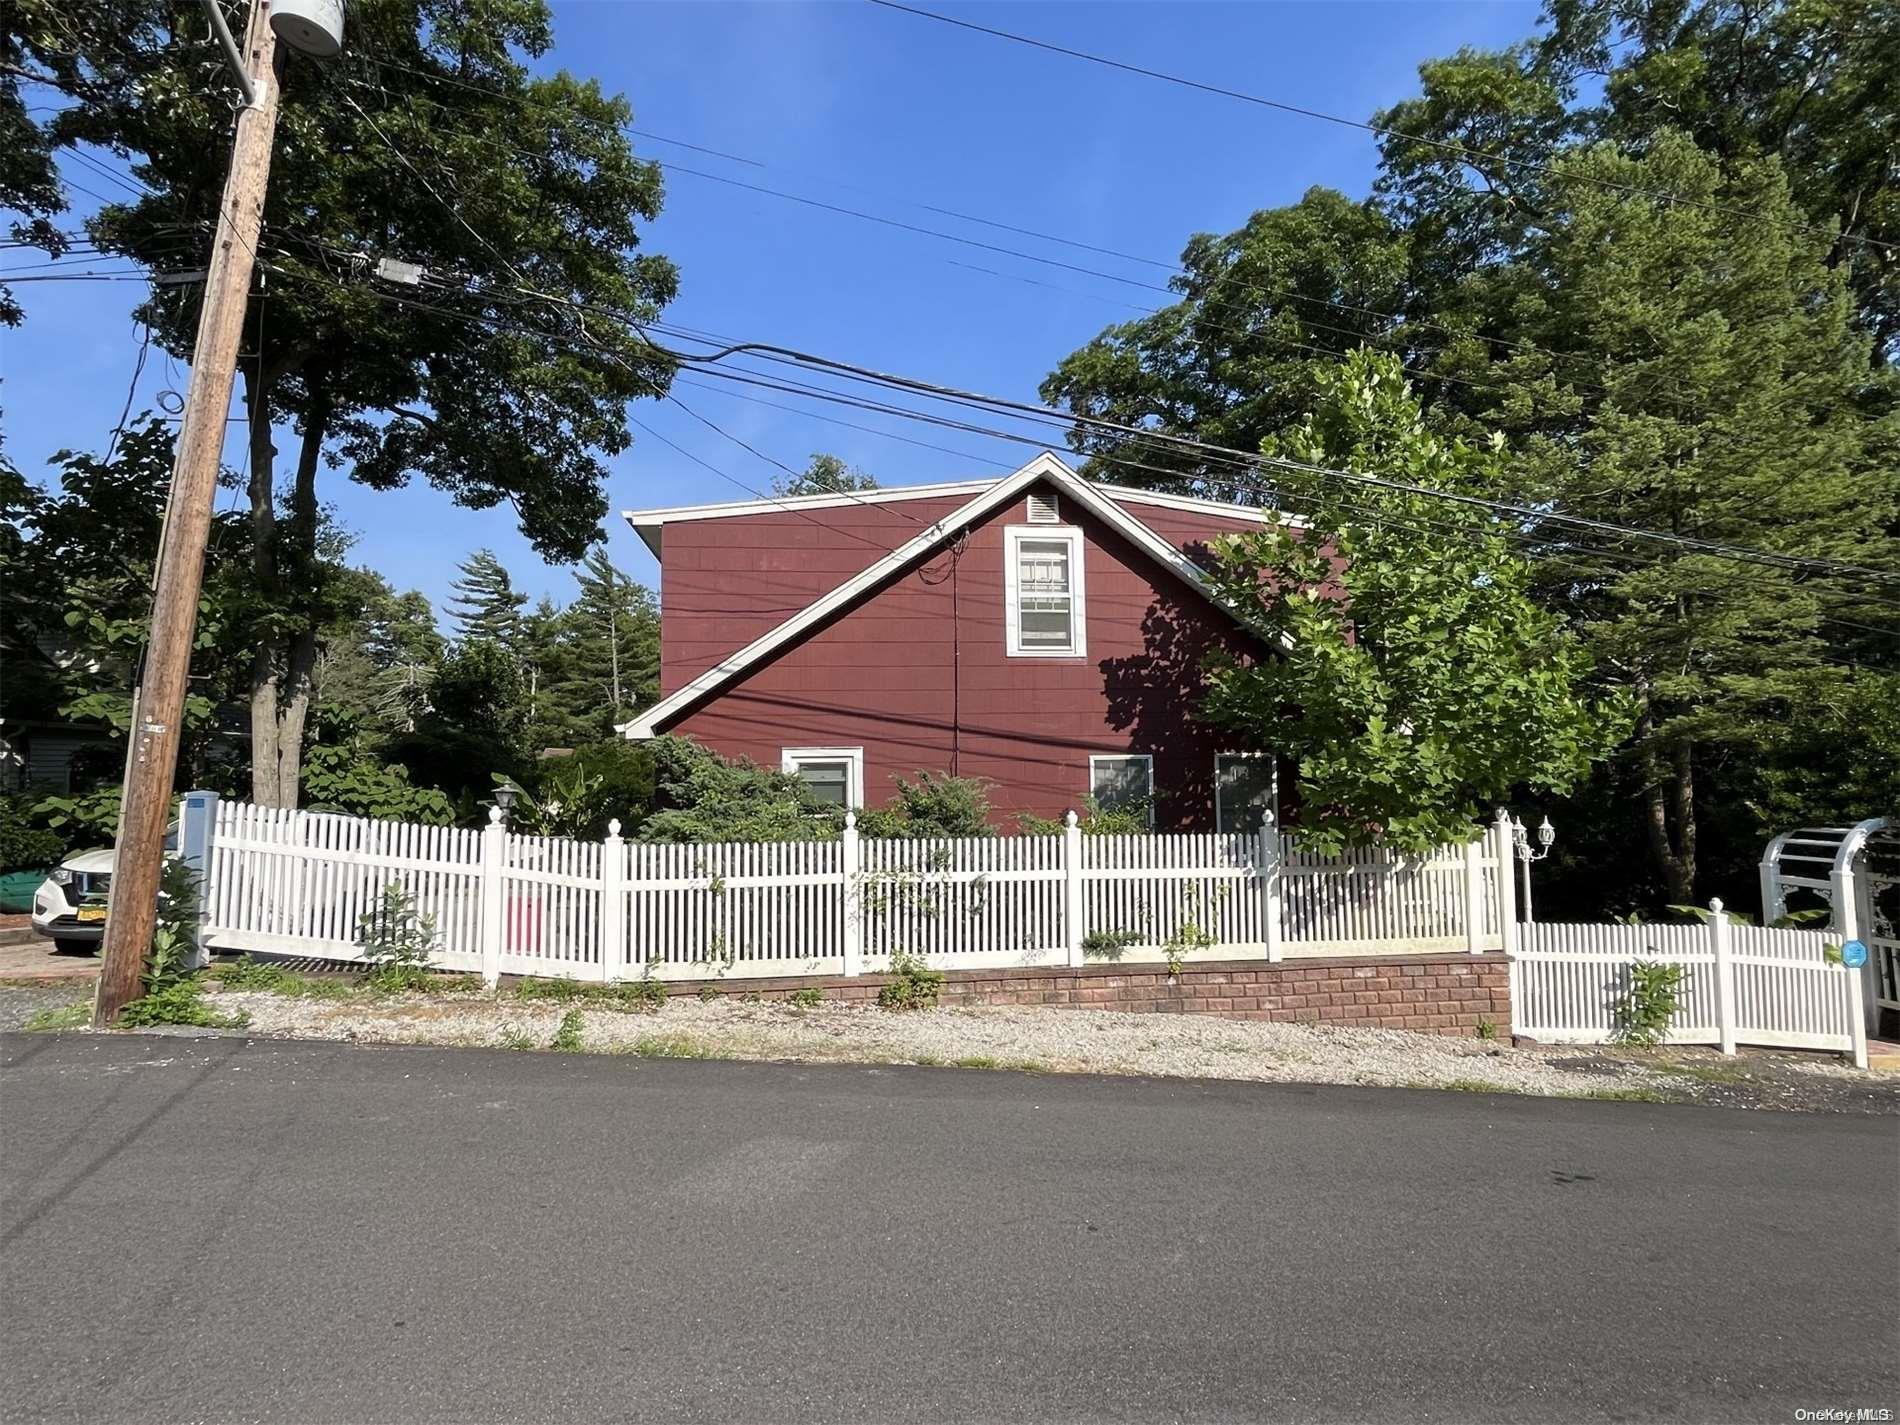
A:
(223, 1229)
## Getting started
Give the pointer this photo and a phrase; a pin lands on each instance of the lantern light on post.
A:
(1521, 840)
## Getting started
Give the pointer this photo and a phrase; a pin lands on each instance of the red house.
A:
(1040, 631)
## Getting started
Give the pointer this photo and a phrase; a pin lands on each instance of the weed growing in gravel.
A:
(397, 940)
(244, 973)
(912, 985)
(179, 1002)
(1647, 1004)
(1637, 1095)
(567, 1038)
(623, 994)
(1487, 1029)
(671, 1046)
(808, 998)
(65, 1016)
(516, 1039)
(975, 1061)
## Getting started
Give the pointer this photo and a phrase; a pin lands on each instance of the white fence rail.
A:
(1742, 984)
(299, 882)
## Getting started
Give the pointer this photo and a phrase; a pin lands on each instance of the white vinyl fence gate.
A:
(294, 882)
(1742, 984)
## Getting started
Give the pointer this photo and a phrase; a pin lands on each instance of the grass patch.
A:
(638, 996)
(179, 1002)
(567, 1038)
(976, 1061)
(1638, 1095)
(1705, 1073)
(672, 1046)
(808, 998)
(244, 973)
(516, 1039)
(1470, 1086)
(65, 1016)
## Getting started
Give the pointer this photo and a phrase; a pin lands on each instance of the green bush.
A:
(27, 848)
(567, 1038)
(912, 984)
(1108, 944)
(932, 805)
(808, 998)
(396, 941)
(699, 796)
(1650, 999)
(174, 994)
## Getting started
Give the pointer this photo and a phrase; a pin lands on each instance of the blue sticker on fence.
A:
(1854, 954)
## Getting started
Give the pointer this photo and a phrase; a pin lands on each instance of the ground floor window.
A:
(1246, 785)
(1123, 783)
(834, 774)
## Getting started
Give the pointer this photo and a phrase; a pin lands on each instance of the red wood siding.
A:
(917, 673)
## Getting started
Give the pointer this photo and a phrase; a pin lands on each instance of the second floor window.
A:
(1045, 593)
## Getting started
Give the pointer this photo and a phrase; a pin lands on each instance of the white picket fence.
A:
(1742, 984)
(298, 883)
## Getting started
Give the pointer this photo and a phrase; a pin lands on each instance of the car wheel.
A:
(74, 947)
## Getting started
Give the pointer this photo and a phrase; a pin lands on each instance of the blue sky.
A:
(847, 94)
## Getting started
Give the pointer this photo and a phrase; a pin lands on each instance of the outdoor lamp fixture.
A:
(505, 796)
(1521, 839)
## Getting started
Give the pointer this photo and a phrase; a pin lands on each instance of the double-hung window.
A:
(1044, 583)
(1123, 783)
(1245, 788)
(834, 775)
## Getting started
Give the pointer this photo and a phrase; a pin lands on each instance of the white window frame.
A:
(1095, 757)
(791, 757)
(1273, 795)
(1013, 537)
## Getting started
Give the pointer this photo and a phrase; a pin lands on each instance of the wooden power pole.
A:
(152, 757)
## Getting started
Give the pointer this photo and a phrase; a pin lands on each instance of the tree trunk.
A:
(1669, 795)
(283, 670)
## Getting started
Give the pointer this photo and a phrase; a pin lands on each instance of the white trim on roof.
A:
(649, 523)
(997, 493)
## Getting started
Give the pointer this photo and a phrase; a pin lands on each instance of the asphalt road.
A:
(225, 1230)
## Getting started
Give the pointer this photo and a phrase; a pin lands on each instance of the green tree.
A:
(1420, 684)
(516, 193)
(376, 669)
(1813, 84)
(483, 601)
(476, 724)
(826, 475)
(612, 635)
(1238, 358)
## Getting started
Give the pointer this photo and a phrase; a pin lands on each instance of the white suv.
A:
(69, 908)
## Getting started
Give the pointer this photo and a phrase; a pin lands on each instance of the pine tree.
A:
(610, 641)
(483, 602)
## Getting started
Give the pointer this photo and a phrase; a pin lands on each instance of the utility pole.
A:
(159, 709)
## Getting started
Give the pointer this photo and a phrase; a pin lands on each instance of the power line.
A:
(1468, 155)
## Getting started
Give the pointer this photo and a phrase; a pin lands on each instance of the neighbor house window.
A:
(834, 774)
(1245, 787)
(1123, 784)
(1044, 582)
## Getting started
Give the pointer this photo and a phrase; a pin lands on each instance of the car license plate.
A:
(92, 912)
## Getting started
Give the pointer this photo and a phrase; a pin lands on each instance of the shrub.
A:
(1649, 1001)
(396, 941)
(1108, 944)
(808, 998)
(699, 796)
(641, 994)
(27, 848)
(912, 985)
(932, 805)
(1094, 820)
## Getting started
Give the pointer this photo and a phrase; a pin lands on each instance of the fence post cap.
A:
(494, 816)
(613, 826)
(1715, 904)
(1069, 818)
(850, 820)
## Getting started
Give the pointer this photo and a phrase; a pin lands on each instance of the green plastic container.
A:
(16, 891)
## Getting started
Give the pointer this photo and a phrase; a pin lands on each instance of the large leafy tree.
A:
(1263, 313)
(1419, 684)
(825, 475)
(517, 195)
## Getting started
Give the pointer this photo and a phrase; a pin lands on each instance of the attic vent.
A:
(1042, 510)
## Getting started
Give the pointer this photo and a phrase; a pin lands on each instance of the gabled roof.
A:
(649, 524)
(989, 496)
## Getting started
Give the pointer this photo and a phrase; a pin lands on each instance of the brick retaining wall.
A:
(1432, 994)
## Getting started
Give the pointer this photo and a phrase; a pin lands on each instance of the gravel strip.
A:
(20, 1002)
(1063, 1040)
